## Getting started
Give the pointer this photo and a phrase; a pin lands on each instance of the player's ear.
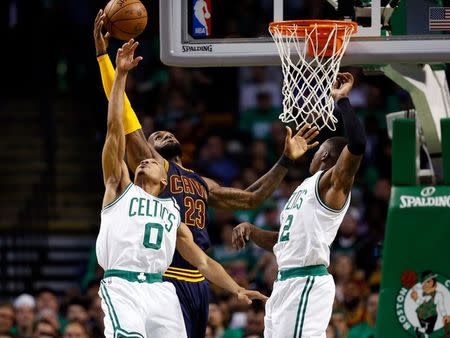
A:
(324, 156)
(163, 183)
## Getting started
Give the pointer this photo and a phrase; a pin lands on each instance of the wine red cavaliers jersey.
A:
(191, 193)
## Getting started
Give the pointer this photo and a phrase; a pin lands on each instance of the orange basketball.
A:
(408, 279)
(125, 19)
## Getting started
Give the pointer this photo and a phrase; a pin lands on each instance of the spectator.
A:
(76, 329)
(255, 320)
(366, 329)
(96, 316)
(343, 268)
(45, 329)
(339, 323)
(258, 120)
(25, 307)
(209, 333)
(77, 310)
(7, 317)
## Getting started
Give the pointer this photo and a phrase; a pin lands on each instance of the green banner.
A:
(415, 287)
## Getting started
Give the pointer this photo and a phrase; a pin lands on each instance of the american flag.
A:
(439, 18)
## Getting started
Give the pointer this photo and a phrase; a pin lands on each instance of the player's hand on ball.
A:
(296, 146)
(247, 295)
(241, 234)
(342, 86)
(101, 41)
(125, 59)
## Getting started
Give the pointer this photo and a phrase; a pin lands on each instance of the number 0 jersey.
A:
(308, 227)
(138, 232)
(191, 193)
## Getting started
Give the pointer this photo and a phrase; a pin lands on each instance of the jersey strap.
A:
(312, 270)
(187, 275)
(132, 276)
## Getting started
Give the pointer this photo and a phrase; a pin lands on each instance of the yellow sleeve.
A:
(130, 120)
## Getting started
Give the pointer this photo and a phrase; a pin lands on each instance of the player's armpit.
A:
(336, 183)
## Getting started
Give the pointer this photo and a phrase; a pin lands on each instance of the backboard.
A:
(202, 33)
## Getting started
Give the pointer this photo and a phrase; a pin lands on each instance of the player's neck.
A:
(149, 188)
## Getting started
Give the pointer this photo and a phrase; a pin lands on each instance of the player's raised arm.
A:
(248, 232)
(212, 270)
(136, 145)
(115, 174)
(295, 147)
(336, 183)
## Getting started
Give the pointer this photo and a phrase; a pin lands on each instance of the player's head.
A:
(166, 144)
(429, 282)
(327, 154)
(151, 172)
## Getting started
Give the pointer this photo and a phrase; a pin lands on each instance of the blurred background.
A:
(53, 119)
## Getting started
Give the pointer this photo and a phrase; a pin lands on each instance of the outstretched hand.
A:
(241, 234)
(296, 146)
(125, 59)
(342, 86)
(247, 295)
(101, 40)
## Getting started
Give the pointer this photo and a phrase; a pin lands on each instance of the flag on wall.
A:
(439, 18)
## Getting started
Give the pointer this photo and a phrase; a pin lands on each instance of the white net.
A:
(310, 59)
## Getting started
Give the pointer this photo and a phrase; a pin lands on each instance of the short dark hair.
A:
(45, 321)
(337, 144)
(85, 328)
(81, 301)
(46, 289)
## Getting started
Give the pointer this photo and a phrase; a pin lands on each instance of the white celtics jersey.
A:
(138, 232)
(307, 227)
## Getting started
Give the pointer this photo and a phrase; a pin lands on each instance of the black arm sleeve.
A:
(353, 127)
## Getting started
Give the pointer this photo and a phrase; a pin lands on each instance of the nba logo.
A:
(201, 18)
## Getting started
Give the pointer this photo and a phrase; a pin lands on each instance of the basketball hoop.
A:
(310, 51)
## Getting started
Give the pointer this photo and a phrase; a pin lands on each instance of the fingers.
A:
(288, 133)
(256, 295)
(238, 238)
(315, 144)
(136, 61)
(107, 36)
(97, 17)
(310, 134)
(303, 129)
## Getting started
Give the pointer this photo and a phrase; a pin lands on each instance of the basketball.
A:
(408, 279)
(125, 19)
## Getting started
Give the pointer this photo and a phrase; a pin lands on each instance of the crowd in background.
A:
(227, 122)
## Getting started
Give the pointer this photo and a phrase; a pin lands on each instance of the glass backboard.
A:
(202, 33)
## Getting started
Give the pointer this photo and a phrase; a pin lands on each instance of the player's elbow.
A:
(203, 265)
(358, 148)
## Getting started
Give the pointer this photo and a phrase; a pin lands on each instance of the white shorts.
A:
(300, 307)
(141, 310)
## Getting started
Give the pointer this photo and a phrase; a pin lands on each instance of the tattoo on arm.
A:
(252, 197)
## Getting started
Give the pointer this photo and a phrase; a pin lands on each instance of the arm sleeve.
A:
(130, 120)
(353, 127)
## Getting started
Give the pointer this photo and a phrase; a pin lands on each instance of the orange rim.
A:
(300, 27)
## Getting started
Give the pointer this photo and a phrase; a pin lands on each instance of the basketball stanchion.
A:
(311, 52)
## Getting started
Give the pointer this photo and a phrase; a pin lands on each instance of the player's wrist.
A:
(285, 161)
(101, 53)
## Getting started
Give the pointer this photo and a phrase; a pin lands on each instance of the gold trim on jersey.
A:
(184, 274)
